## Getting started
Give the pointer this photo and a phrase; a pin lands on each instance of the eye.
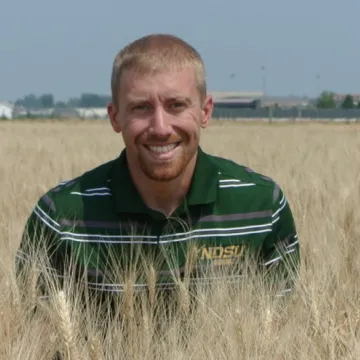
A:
(177, 105)
(141, 107)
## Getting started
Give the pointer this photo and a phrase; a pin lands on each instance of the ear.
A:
(207, 109)
(112, 112)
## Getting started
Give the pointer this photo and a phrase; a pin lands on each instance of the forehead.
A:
(163, 83)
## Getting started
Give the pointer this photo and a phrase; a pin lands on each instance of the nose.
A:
(160, 125)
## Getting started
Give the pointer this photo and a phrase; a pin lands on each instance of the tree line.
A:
(326, 100)
(44, 101)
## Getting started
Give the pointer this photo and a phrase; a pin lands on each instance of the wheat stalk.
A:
(357, 321)
(146, 331)
(190, 260)
(32, 291)
(18, 313)
(66, 327)
(95, 352)
(151, 275)
(128, 305)
(268, 322)
(184, 299)
(316, 317)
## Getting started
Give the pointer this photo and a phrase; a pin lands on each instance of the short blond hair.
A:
(157, 52)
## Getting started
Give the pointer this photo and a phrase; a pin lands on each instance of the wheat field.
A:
(318, 168)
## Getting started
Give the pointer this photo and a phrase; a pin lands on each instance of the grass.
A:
(317, 167)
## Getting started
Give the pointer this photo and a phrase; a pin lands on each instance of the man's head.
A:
(159, 104)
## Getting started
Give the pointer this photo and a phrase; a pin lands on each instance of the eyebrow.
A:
(141, 99)
(136, 99)
(187, 100)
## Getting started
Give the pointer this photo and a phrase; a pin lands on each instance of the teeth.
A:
(162, 149)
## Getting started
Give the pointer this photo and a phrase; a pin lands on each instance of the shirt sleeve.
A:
(280, 255)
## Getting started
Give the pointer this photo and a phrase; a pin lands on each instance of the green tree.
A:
(73, 102)
(29, 101)
(47, 100)
(326, 100)
(60, 104)
(348, 102)
(93, 100)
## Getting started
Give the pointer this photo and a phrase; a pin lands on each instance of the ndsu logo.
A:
(221, 252)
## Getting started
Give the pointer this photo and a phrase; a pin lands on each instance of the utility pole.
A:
(317, 94)
(263, 80)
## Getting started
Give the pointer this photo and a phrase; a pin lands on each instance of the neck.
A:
(164, 196)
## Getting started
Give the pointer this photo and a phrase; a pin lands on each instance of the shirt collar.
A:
(203, 187)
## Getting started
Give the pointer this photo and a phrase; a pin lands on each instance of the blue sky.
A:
(67, 47)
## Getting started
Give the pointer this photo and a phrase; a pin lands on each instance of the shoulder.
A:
(241, 180)
(230, 170)
(91, 179)
(68, 196)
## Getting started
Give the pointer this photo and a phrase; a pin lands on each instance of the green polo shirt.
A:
(100, 221)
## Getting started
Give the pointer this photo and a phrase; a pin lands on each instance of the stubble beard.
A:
(167, 171)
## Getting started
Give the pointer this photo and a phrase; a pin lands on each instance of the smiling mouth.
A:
(162, 149)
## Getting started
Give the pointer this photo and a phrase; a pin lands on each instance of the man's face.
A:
(160, 117)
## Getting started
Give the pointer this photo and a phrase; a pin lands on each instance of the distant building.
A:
(92, 113)
(237, 100)
(253, 100)
(65, 113)
(286, 102)
(237, 104)
(6, 110)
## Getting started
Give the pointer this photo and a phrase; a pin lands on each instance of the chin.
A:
(162, 175)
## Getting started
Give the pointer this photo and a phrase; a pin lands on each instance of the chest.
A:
(167, 243)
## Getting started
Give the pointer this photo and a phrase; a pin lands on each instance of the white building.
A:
(6, 110)
(92, 113)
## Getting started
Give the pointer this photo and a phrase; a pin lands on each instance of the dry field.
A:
(318, 166)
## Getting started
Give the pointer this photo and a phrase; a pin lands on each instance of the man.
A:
(163, 196)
